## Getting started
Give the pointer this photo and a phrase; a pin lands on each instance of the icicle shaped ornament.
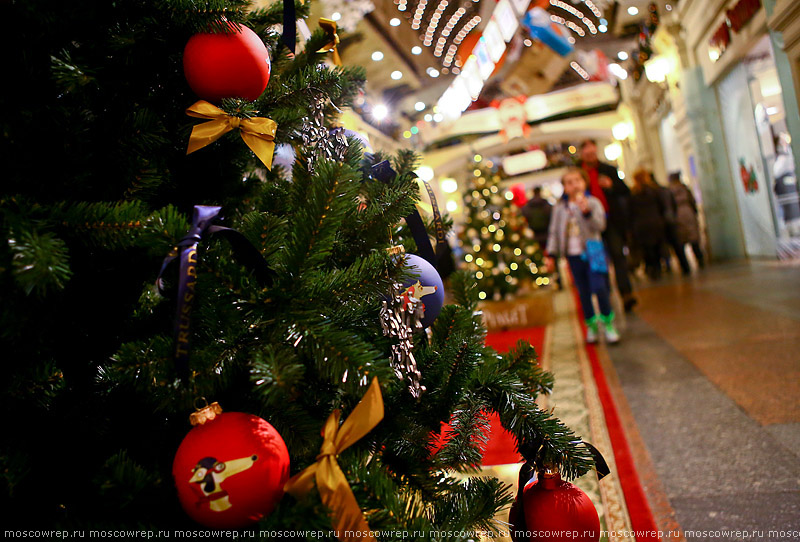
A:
(400, 317)
(318, 140)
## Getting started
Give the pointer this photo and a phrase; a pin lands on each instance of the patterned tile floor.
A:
(710, 367)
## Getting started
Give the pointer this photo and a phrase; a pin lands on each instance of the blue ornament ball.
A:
(426, 285)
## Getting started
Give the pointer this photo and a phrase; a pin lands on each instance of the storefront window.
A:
(760, 155)
(774, 140)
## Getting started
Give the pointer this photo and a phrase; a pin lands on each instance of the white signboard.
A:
(455, 100)
(506, 19)
(524, 162)
(575, 98)
(471, 75)
(521, 6)
(485, 64)
(494, 40)
(540, 107)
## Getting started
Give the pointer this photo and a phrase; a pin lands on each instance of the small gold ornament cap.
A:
(394, 250)
(205, 414)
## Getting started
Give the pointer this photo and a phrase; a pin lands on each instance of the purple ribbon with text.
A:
(186, 252)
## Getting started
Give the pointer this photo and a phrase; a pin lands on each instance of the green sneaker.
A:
(612, 335)
(591, 329)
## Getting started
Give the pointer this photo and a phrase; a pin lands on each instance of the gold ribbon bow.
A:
(329, 26)
(331, 482)
(258, 132)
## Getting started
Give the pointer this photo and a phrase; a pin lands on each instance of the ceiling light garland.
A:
(454, 18)
(566, 7)
(466, 29)
(451, 53)
(437, 15)
(417, 21)
(569, 24)
(575, 12)
(579, 69)
(595, 10)
(438, 27)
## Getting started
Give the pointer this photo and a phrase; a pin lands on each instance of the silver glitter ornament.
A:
(318, 140)
(400, 318)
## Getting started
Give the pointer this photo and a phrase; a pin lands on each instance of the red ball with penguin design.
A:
(230, 469)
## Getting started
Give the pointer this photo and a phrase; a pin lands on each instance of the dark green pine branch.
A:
(514, 403)
(40, 262)
(340, 357)
(521, 360)
(472, 505)
(319, 213)
(266, 231)
(389, 501)
(204, 15)
(464, 439)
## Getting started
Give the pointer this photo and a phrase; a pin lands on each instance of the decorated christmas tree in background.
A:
(280, 319)
(498, 246)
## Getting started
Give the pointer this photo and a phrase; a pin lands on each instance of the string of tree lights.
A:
(498, 247)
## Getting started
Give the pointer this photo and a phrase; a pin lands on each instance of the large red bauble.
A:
(556, 510)
(230, 471)
(234, 65)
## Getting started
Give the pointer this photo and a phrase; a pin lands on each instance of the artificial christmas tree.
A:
(498, 246)
(92, 380)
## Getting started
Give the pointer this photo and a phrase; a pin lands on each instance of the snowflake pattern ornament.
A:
(318, 140)
(400, 318)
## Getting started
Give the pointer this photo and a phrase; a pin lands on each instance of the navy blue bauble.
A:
(426, 286)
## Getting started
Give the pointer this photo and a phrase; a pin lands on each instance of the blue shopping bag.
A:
(596, 254)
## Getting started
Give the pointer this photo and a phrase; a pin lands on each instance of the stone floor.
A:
(710, 369)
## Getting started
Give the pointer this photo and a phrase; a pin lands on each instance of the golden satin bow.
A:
(258, 132)
(331, 482)
(329, 26)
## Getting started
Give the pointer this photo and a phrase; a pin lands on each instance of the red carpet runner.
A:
(642, 519)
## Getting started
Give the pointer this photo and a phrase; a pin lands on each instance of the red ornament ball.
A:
(554, 510)
(233, 65)
(518, 191)
(230, 471)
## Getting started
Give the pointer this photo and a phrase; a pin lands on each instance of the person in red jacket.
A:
(606, 185)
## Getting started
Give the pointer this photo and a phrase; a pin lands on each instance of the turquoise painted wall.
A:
(713, 171)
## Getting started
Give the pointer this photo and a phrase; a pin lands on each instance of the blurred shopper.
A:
(687, 228)
(647, 218)
(537, 212)
(576, 230)
(614, 195)
(671, 230)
